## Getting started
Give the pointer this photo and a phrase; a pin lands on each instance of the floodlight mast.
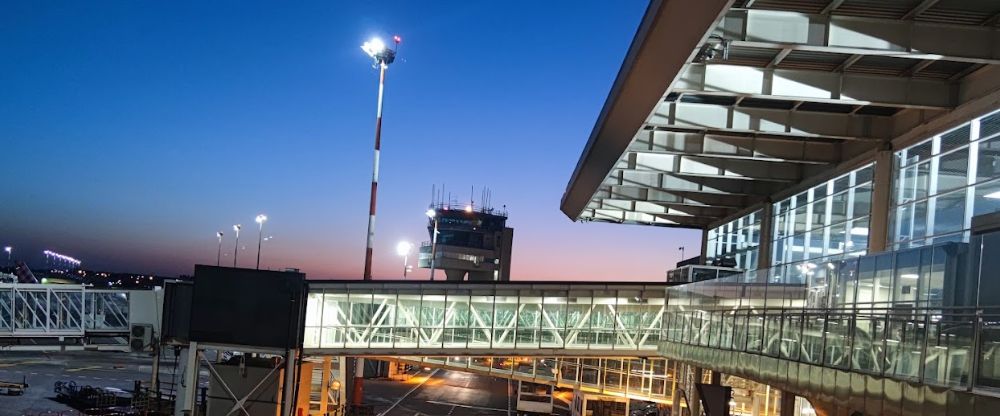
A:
(382, 57)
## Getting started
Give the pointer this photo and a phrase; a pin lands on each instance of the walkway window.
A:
(942, 182)
(825, 223)
(738, 240)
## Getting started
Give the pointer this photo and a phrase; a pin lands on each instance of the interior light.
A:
(909, 276)
(993, 195)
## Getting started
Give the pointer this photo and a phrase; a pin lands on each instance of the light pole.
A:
(218, 257)
(260, 235)
(383, 56)
(432, 213)
(236, 250)
(681, 248)
(8, 249)
(403, 249)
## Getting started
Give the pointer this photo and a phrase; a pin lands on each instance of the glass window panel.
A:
(838, 208)
(862, 200)
(989, 125)
(904, 222)
(987, 198)
(949, 212)
(988, 161)
(864, 175)
(953, 170)
(841, 183)
(955, 138)
(918, 153)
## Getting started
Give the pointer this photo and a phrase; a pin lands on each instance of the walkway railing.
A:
(952, 347)
(32, 310)
(468, 318)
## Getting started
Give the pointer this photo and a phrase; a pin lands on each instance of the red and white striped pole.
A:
(383, 57)
(374, 192)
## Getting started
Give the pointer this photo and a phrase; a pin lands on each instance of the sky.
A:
(132, 131)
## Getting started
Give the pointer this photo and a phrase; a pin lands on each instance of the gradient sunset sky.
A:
(133, 131)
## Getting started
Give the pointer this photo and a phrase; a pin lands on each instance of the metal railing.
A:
(952, 347)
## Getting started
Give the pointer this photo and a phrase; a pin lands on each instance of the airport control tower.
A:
(472, 241)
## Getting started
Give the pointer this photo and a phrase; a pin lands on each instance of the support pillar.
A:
(324, 388)
(675, 394)
(288, 391)
(787, 404)
(304, 388)
(766, 235)
(704, 247)
(189, 386)
(878, 227)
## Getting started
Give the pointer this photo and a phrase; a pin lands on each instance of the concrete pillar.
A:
(878, 228)
(766, 235)
(787, 404)
(675, 394)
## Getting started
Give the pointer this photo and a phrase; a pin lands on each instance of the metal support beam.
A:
(920, 8)
(766, 230)
(850, 61)
(662, 208)
(818, 86)
(878, 226)
(831, 6)
(774, 122)
(768, 29)
(779, 57)
(676, 197)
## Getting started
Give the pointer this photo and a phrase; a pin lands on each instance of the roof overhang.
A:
(721, 104)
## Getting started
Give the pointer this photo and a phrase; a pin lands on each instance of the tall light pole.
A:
(432, 213)
(236, 250)
(403, 249)
(681, 248)
(383, 56)
(260, 235)
(8, 249)
(218, 257)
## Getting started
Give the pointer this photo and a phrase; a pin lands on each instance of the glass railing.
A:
(61, 310)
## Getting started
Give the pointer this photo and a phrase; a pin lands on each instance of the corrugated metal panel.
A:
(819, 61)
(943, 69)
(885, 9)
(801, 6)
(882, 65)
(748, 56)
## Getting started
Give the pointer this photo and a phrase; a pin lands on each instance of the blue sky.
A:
(133, 131)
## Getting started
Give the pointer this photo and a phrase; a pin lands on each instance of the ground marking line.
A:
(467, 406)
(386, 411)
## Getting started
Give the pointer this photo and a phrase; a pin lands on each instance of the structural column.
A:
(787, 404)
(878, 227)
(766, 235)
(694, 399)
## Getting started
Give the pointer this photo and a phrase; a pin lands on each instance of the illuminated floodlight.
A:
(62, 257)
(431, 213)
(237, 227)
(373, 47)
(403, 248)
(260, 219)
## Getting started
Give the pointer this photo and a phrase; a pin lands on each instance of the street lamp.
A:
(236, 250)
(8, 249)
(403, 249)
(260, 235)
(432, 214)
(218, 257)
(382, 56)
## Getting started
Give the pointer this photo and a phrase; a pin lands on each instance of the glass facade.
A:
(736, 242)
(826, 222)
(944, 181)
